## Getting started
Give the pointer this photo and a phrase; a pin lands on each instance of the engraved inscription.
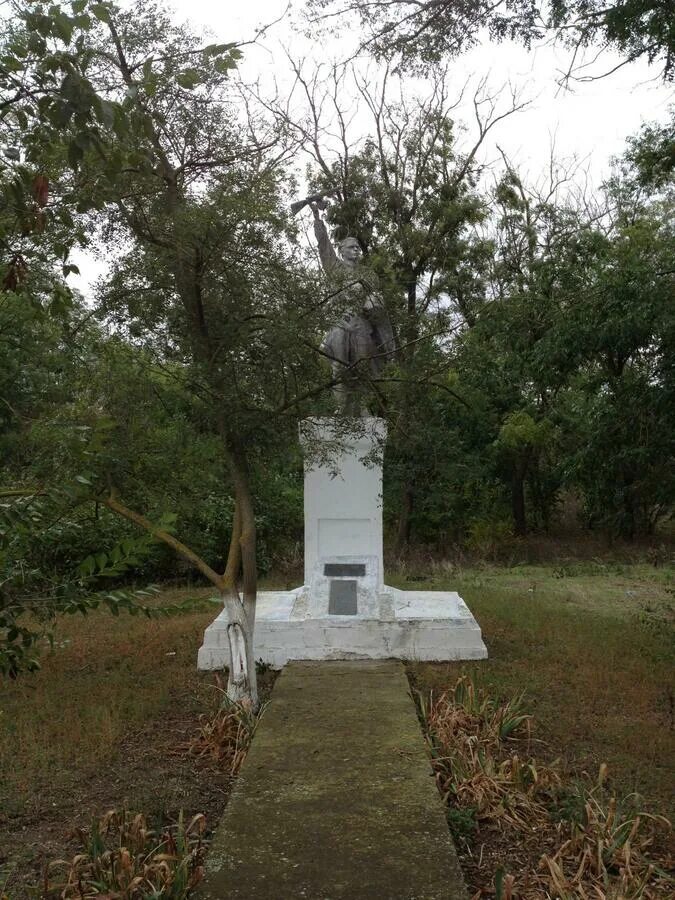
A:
(342, 598)
(337, 569)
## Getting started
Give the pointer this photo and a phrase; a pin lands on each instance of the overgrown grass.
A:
(537, 834)
(117, 719)
(597, 671)
(591, 644)
(596, 663)
(121, 857)
(225, 735)
(104, 677)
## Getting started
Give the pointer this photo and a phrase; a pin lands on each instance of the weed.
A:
(121, 857)
(226, 735)
(503, 885)
(607, 849)
(467, 733)
(262, 667)
(590, 843)
(462, 822)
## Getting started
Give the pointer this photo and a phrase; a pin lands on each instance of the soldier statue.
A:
(362, 342)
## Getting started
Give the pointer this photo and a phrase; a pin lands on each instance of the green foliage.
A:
(462, 823)
(488, 535)
(52, 533)
(536, 338)
(32, 594)
(651, 154)
(520, 430)
(209, 305)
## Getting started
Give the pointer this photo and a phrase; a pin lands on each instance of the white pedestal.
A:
(344, 610)
(343, 493)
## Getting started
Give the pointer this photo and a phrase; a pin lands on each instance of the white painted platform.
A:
(422, 625)
(344, 573)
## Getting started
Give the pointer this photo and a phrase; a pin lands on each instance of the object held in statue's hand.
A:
(318, 200)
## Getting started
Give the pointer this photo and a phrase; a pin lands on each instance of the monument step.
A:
(422, 625)
(336, 798)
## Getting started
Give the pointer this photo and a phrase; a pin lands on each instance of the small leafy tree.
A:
(210, 288)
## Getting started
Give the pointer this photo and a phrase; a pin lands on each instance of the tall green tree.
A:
(572, 348)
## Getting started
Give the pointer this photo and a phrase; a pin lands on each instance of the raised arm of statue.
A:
(327, 255)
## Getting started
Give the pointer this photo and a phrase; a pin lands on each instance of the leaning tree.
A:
(188, 199)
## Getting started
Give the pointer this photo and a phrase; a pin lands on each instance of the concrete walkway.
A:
(336, 798)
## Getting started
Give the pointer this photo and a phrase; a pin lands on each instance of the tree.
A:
(569, 348)
(50, 563)
(420, 33)
(408, 194)
(211, 288)
(622, 457)
(50, 113)
(209, 285)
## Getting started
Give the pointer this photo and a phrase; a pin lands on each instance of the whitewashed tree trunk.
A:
(242, 684)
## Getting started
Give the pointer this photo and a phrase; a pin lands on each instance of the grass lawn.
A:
(106, 720)
(593, 649)
(101, 726)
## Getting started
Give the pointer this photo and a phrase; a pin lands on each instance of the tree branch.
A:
(181, 549)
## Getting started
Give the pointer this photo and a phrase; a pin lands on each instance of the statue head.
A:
(350, 250)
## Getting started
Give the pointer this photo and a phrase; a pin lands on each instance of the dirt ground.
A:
(151, 771)
(107, 722)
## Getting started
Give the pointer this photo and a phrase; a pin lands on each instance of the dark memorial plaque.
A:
(337, 569)
(342, 598)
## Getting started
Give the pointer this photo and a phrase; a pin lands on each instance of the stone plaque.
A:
(342, 598)
(344, 569)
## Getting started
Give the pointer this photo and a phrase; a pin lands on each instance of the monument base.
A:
(413, 625)
(344, 610)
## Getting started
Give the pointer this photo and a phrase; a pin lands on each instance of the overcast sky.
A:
(590, 123)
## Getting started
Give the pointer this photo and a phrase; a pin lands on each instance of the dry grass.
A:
(599, 679)
(225, 736)
(469, 737)
(561, 841)
(615, 849)
(118, 717)
(121, 857)
(97, 726)
(105, 677)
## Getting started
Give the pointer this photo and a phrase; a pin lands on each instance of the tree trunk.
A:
(242, 683)
(405, 518)
(406, 356)
(628, 520)
(518, 500)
